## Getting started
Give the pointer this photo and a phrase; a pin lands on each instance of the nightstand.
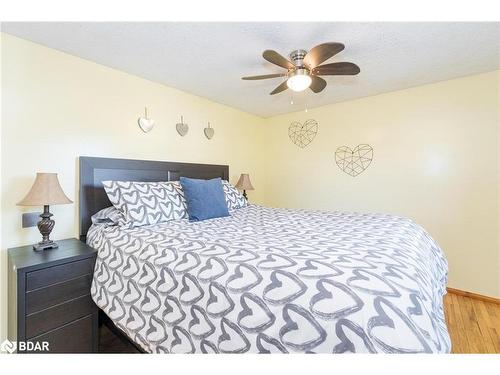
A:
(49, 298)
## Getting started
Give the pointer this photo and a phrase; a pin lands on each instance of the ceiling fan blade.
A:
(321, 53)
(279, 89)
(337, 69)
(265, 76)
(275, 58)
(317, 84)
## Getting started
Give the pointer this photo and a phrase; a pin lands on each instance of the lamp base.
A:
(45, 226)
(40, 246)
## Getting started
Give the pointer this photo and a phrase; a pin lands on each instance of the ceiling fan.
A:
(304, 69)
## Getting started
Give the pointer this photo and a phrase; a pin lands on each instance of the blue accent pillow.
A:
(205, 199)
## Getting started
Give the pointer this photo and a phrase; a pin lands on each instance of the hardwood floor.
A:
(474, 327)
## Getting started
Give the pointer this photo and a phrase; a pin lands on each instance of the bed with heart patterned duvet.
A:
(268, 280)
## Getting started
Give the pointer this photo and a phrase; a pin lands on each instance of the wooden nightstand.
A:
(49, 297)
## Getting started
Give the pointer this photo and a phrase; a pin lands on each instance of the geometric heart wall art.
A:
(303, 134)
(353, 162)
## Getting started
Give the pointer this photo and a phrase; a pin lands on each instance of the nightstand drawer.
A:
(58, 315)
(75, 337)
(57, 274)
(52, 295)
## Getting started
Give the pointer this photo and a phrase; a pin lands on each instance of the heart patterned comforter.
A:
(273, 280)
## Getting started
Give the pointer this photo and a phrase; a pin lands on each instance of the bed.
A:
(264, 280)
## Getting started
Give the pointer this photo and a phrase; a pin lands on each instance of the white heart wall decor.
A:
(303, 134)
(145, 123)
(354, 162)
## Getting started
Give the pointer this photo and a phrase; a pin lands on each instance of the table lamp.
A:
(244, 184)
(45, 191)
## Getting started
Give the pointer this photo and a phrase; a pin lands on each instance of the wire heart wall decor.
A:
(354, 161)
(303, 134)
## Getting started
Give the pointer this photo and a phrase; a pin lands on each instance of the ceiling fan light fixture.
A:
(304, 69)
(299, 80)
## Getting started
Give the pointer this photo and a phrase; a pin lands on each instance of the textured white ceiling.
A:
(208, 59)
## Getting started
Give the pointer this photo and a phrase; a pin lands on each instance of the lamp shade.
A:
(244, 182)
(46, 190)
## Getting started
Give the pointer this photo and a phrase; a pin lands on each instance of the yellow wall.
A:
(436, 150)
(56, 107)
(436, 160)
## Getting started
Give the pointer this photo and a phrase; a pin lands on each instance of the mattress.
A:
(267, 280)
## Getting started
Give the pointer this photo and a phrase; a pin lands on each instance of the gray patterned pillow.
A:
(144, 203)
(109, 215)
(234, 198)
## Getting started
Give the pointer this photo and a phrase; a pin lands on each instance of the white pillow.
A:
(144, 203)
(234, 198)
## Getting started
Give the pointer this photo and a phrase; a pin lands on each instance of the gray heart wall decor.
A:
(353, 162)
(182, 127)
(209, 132)
(303, 134)
(146, 124)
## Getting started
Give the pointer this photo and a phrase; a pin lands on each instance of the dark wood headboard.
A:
(95, 170)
